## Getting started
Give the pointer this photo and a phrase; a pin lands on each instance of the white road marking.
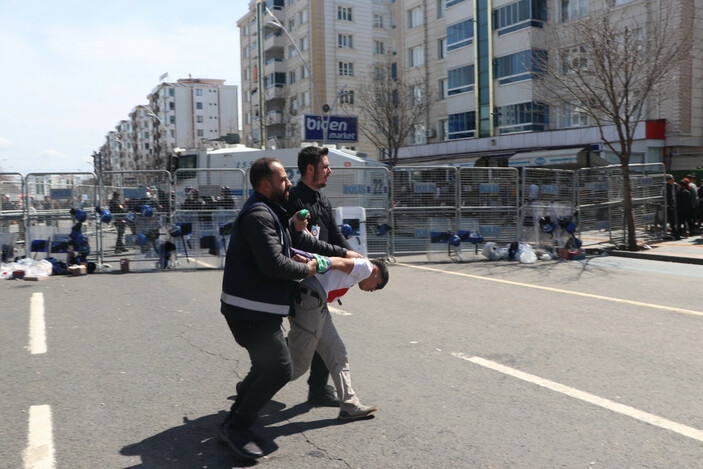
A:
(338, 311)
(40, 448)
(37, 327)
(559, 290)
(623, 409)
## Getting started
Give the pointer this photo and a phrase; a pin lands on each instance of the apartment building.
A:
(473, 56)
(314, 53)
(190, 113)
(493, 114)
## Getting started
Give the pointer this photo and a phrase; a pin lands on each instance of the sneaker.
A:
(242, 442)
(325, 397)
(361, 413)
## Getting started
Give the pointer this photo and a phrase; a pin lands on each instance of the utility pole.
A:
(260, 44)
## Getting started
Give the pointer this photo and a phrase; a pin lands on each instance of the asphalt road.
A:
(593, 364)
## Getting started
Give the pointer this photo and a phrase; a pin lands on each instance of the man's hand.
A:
(312, 267)
(299, 258)
(354, 255)
(299, 223)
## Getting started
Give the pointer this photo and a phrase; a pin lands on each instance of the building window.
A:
(344, 41)
(443, 129)
(418, 135)
(304, 43)
(460, 80)
(303, 72)
(305, 99)
(346, 69)
(171, 92)
(460, 35)
(574, 116)
(414, 17)
(291, 77)
(379, 47)
(519, 15)
(344, 13)
(347, 97)
(294, 103)
(199, 119)
(451, 3)
(462, 125)
(198, 92)
(246, 75)
(416, 56)
(291, 51)
(303, 16)
(379, 73)
(200, 132)
(523, 117)
(291, 24)
(519, 66)
(378, 21)
(441, 6)
(573, 9)
(442, 89)
(198, 105)
(442, 48)
(245, 52)
(574, 60)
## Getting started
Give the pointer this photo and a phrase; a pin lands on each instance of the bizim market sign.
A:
(340, 129)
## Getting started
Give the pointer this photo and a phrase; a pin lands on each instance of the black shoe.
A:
(241, 441)
(325, 397)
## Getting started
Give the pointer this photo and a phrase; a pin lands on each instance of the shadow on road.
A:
(194, 444)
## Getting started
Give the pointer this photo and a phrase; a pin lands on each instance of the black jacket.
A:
(302, 197)
(259, 278)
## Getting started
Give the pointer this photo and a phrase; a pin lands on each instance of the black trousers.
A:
(271, 367)
(318, 374)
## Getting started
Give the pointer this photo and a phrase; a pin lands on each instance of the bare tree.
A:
(617, 67)
(390, 108)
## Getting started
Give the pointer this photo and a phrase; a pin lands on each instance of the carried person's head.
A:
(314, 166)
(378, 278)
(268, 177)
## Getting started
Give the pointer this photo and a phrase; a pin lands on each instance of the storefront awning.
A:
(565, 157)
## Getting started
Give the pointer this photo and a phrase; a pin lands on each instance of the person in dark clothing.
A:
(670, 195)
(258, 288)
(116, 208)
(683, 208)
(315, 169)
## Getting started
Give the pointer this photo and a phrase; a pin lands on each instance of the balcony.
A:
(274, 65)
(274, 41)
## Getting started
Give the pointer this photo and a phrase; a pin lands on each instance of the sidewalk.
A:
(687, 251)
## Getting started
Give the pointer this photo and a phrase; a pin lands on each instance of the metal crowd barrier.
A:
(12, 215)
(409, 210)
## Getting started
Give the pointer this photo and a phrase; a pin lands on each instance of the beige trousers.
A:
(312, 329)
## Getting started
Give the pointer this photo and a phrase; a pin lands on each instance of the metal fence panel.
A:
(49, 219)
(137, 233)
(547, 197)
(369, 188)
(207, 201)
(424, 205)
(12, 213)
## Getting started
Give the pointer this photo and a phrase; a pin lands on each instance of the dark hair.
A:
(260, 170)
(310, 155)
(382, 271)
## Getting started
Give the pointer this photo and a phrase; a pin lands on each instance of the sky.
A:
(72, 69)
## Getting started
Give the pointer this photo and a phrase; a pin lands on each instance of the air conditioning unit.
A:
(430, 133)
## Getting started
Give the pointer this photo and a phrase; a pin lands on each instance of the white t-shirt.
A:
(336, 283)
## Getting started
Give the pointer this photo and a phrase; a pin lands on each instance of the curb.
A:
(655, 257)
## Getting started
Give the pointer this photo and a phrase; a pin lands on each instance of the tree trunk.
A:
(628, 210)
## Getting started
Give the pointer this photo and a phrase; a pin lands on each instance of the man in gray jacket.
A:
(258, 288)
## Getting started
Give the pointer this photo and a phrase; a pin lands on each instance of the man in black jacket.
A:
(258, 287)
(315, 169)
